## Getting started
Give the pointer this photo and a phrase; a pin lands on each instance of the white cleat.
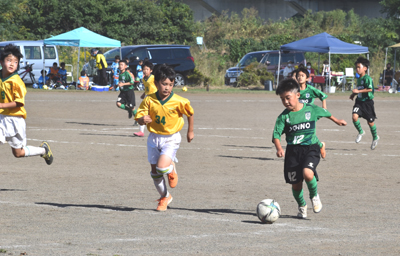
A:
(302, 212)
(316, 203)
(374, 143)
(359, 137)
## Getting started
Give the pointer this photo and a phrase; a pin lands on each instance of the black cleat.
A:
(48, 157)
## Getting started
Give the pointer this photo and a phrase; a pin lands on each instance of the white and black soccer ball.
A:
(268, 211)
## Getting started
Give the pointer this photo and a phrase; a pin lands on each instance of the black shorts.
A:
(127, 98)
(298, 157)
(365, 109)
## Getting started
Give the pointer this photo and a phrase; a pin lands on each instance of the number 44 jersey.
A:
(299, 126)
(166, 115)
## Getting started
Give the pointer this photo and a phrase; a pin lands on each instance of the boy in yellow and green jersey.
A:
(163, 112)
(364, 105)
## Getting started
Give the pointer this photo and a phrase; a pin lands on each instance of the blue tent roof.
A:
(82, 37)
(324, 43)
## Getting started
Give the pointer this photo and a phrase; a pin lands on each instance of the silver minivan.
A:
(33, 52)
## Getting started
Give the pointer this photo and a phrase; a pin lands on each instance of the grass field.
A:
(98, 198)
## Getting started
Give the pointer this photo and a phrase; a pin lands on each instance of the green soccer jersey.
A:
(299, 126)
(309, 94)
(365, 82)
(126, 78)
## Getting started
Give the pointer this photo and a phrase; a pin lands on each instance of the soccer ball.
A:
(268, 211)
(35, 86)
(184, 88)
(44, 87)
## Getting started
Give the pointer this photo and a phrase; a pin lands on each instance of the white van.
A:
(33, 52)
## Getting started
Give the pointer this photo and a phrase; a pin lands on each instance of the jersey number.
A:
(298, 139)
(160, 120)
(292, 176)
(3, 95)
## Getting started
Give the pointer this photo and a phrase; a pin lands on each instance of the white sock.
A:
(34, 151)
(141, 128)
(161, 187)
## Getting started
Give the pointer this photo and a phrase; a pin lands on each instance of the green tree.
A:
(391, 8)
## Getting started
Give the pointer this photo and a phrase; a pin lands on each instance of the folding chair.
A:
(348, 81)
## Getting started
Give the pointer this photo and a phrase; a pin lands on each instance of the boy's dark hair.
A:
(83, 72)
(124, 61)
(43, 71)
(11, 49)
(287, 85)
(309, 63)
(362, 61)
(304, 70)
(55, 63)
(294, 72)
(149, 64)
(117, 57)
(163, 72)
(62, 64)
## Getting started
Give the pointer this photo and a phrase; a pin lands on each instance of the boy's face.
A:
(62, 66)
(146, 71)
(54, 65)
(9, 64)
(165, 87)
(290, 100)
(116, 60)
(301, 78)
(361, 69)
(122, 66)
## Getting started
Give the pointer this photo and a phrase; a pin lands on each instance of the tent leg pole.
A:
(368, 59)
(319, 55)
(329, 73)
(384, 71)
(279, 68)
(44, 66)
(77, 69)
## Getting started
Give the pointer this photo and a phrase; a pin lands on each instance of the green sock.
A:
(122, 106)
(298, 195)
(358, 127)
(373, 131)
(312, 187)
(134, 112)
(320, 144)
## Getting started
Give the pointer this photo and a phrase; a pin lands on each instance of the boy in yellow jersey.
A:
(163, 112)
(149, 88)
(12, 111)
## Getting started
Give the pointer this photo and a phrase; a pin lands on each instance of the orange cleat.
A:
(173, 177)
(163, 203)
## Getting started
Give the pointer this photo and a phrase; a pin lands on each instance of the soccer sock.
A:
(134, 112)
(166, 170)
(160, 186)
(34, 151)
(141, 128)
(298, 195)
(320, 144)
(373, 131)
(358, 126)
(122, 106)
(312, 187)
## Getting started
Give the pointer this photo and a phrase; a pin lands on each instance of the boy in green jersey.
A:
(298, 122)
(364, 105)
(126, 97)
(308, 94)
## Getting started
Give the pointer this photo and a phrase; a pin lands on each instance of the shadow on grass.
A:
(108, 135)
(98, 206)
(248, 157)
(90, 124)
(5, 189)
(238, 146)
(215, 211)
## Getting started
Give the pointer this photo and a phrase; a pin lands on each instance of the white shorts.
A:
(158, 145)
(12, 130)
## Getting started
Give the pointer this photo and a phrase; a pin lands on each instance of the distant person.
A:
(326, 68)
(139, 70)
(62, 74)
(364, 105)
(53, 72)
(149, 88)
(302, 156)
(163, 112)
(43, 79)
(101, 65)
(115, 73)
(12, 110)
(126, 97)
(388, 74)
(288, 69)
(83, 83)
(311, 71)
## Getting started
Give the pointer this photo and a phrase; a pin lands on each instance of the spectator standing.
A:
(101, 65)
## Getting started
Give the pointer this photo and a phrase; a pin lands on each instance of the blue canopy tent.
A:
(323, 43)
(81, 37)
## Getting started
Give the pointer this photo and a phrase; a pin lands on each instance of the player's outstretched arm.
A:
(279, 150)
(190, 133)
(10, 105)
(340, 122)
(324, 104)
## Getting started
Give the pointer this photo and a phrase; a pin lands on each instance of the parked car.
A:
(33, 52)
(177, 56)
(269, 58)
(233, 73)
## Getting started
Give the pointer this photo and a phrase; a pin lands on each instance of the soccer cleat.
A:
(359, 137)
(374, 143)
(302, 212)
(48, 156)
(323, 150)
(135, 123)
(316, 203)
(163, 203)
(173, 177)
(139, 134)
(130, 113)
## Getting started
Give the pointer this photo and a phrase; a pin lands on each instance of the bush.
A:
(254, 74)
(198, 78)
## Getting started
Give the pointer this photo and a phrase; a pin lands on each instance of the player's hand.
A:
(147, 119)
(280, 153)
(352, 96)
(142, 97)
(190, 136)
(342, 122)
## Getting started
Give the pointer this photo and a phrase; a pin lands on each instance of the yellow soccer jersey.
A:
(12, 89)
(167, 115)
(149, 85)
